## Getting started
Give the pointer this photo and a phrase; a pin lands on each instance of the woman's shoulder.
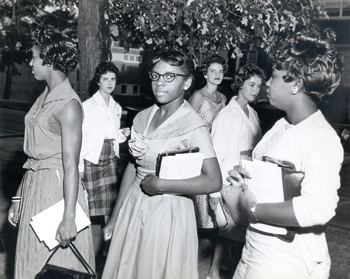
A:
(197, 96)
(223, 97)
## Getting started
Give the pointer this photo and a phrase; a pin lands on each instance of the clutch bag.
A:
(50, 271)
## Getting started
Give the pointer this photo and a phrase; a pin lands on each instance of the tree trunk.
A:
(8, 82)
(89, 43)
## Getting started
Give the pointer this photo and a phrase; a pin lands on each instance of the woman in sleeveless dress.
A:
(236, 130)
(52, 143)
(153, 225)
(208, 102)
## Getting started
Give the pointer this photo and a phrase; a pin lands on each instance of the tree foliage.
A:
(209, 25)
(17, 20)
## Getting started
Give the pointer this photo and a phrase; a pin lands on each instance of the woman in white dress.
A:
(235, 132)
(305, 70)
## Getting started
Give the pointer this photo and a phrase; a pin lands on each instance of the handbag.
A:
(50, 271)
(230, 198)
(291, 180)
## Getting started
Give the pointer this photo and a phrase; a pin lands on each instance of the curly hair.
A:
(175, 58)
(244, 73)
(314, 61)
(211, 60)
(56, 49)
(103, 68)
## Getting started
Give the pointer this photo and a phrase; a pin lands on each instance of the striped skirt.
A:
(101, 181)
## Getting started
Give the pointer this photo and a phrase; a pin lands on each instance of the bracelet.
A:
(16, 199)
(252, 211)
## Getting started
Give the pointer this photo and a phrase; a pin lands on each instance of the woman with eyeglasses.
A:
(153, 225)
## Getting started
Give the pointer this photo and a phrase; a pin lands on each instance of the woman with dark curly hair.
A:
(305, 70)
(236, 131)
(153, 227)
(52, 141)
(100, 147)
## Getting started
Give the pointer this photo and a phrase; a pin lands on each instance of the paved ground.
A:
(12, 159)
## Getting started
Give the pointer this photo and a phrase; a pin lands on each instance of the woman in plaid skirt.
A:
(100, 146)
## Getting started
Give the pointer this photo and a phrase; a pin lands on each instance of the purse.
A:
(50, 271)
(291, 180)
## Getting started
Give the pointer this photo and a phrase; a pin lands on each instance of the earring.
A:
(294, 90)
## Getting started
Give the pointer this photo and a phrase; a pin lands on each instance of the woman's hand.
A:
(66, 232)
(126, 131)
(13, 214)
(150, 184)
(107, 231)
(237, 175)
(213, 201)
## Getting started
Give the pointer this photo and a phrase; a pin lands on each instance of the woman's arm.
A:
(209, 181)
(196, 100)
(128, 179)
(14, 214)
(71, 130)
(281, 214)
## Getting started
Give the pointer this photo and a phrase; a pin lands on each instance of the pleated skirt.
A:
(101, 181)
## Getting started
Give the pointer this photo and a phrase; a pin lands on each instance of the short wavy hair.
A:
(244, 73)
(56, 49)
(175, 58)
(103, 68)
(314, 61)
(211, 60)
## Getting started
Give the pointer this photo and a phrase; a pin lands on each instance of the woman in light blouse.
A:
(305, 70)
(100, 146)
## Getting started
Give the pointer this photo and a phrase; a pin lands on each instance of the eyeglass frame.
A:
(162, 75)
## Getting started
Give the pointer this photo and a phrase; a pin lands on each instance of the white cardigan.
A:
(96, 117)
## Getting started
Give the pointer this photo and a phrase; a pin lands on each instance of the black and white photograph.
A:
(174, 139)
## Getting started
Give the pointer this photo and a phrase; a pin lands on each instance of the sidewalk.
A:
(12, 159)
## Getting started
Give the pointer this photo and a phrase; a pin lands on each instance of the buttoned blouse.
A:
(101, 122)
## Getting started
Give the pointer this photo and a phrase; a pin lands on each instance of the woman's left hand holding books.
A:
(150, 185)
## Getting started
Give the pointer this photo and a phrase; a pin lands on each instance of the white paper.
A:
(181, 166)
(45, 223)
(267, 185)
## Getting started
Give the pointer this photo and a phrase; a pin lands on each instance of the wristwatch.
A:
(252, 211)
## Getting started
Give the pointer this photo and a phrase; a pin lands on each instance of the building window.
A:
(337, 8)
(138, 58)
(126, 57)
(135, 89)
(123, 91)
(132, 58)
(248, 57)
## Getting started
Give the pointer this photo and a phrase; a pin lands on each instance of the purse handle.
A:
(78, 255)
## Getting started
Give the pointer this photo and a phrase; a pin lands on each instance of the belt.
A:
(289, 237)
